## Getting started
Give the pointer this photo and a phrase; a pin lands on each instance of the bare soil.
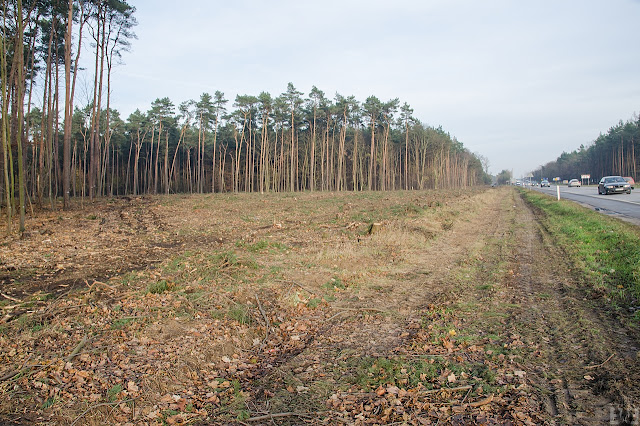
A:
(453, 308)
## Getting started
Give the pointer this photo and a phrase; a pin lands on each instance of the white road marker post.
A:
(558, 190)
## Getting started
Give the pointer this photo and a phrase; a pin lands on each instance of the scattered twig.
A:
(275, 416)
(266, 321)
(421, 393)
(333, 316)
(458, 389)
(361, 309)
(78, 348)
(590, 367)
(100, 283)
(9, 307)
(11, 298)
(14, 373)
(8, 317)
(482, 402)
(102, 404)
(299, 285)
(465, 397)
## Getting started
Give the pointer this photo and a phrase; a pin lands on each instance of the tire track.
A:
(572, 334)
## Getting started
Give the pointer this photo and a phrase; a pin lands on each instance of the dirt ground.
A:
(313, 308)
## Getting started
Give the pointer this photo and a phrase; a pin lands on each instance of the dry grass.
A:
(241, 304)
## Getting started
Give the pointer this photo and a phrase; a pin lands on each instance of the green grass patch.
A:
(314, 303)
(49, 402)
(130, 278)
(334, 284)
(158, 287)
(240, 313)
(38, 327)
(409, 209)
(605, 250)
(112, 393)
(262, 246)
(205, 267)
(225, 259)
(121, 323)
(370, 372)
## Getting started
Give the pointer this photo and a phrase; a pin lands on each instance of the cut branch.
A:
(276, 416)
(77, 349)
(266, 321)
(590, 367)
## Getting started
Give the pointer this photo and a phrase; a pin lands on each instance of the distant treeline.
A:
(615, 153)
(53, 148)
(287, 143)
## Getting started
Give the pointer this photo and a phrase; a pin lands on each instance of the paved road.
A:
(623, 206)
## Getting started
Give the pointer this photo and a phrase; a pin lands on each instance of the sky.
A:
(516, 82)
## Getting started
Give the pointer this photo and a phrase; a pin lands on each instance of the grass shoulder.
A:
(604, 250)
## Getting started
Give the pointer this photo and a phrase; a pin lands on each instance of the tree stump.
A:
(373, 228)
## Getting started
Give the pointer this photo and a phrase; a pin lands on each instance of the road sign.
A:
(585, 176)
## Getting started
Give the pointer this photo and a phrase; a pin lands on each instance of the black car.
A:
(613, 185)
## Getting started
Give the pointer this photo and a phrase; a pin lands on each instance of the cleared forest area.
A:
(416, 307)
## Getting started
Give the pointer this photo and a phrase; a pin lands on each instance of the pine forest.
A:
(614, 153)
(53, 147)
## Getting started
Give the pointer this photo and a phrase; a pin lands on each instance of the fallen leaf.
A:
(393, 390)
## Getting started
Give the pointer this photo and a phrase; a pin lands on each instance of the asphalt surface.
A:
(622, 206)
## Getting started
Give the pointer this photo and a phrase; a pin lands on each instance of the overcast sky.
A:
(518, 82)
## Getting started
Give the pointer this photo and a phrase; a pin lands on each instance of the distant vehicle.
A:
(574, 182)
(544, 183)
(613, 185)
(630, 181)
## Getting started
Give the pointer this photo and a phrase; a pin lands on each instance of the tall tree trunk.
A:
(95, 114)
(213, 156)
(372, 162)
(56, 136)
(6, 148)
(341, 152)
(354, 163)
(68, 112)
(20, 96)
(406, 156)
(198, 156)
(48, 159)
(291, 182)
(166, 163)
(156, 163)
(312, 170)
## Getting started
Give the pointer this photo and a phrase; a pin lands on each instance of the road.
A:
(623, 206)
